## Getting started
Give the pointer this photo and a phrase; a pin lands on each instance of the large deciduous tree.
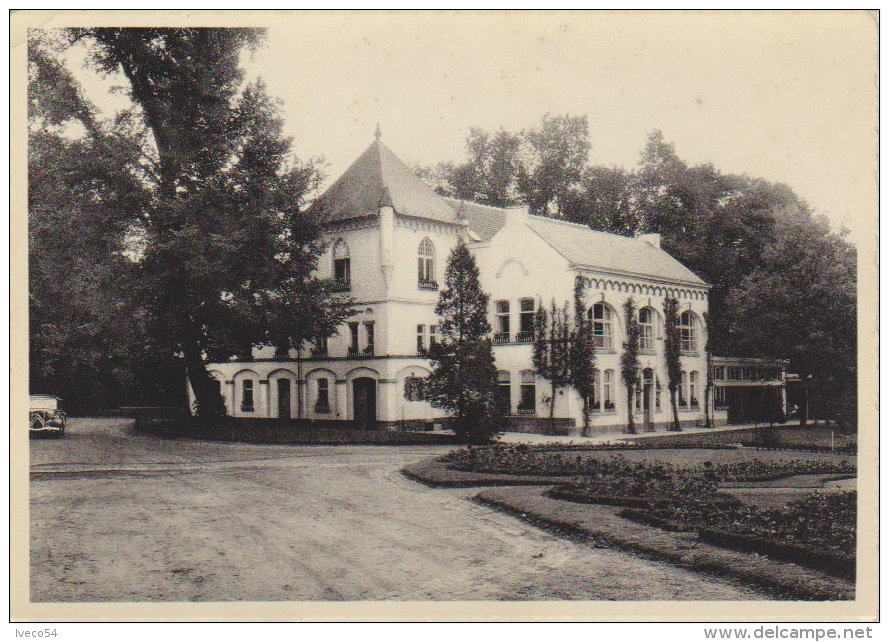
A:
(800, 303)
(87, 344)
(227, 256)
(464, 379)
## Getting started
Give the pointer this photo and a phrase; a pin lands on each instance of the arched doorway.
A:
(364, 397)
(647, 392)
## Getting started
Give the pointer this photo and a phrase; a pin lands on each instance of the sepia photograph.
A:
(444, 315)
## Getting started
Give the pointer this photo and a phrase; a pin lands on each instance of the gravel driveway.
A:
(117, 516)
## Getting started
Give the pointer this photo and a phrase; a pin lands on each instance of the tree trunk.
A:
(676, 426)
(804, 407)
(631, 425)
(209, 403)
(552, 411)
(707, 422)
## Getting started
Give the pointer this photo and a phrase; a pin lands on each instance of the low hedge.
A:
(833, 563)
(281, 432)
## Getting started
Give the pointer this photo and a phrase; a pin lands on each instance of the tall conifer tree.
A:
(464, 379)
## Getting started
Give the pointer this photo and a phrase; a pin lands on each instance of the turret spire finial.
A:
(378, 133)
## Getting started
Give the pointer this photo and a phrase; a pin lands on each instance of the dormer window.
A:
(426, 265)
(342, 269)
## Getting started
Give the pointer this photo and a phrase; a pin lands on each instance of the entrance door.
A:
(364, 395)
(284, 398)
(647, 390)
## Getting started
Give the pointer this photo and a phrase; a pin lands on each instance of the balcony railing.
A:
(500, 338)
(341, 285)
(427, 285)
(524, 337)
(368, 351)
(353, 351)
(525, 411)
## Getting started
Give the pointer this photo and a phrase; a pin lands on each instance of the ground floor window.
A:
(528, 400)
(683, 390)
(322, 402)
(657, 393)
(607, 383)
(596, 397)
(504, 394)
(247, 395)
(413, 388)
(693, 389)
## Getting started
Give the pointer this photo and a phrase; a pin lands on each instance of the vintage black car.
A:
(46, 415)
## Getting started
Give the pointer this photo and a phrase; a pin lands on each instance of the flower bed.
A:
(526, 460)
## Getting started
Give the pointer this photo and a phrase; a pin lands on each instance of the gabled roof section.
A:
(611, 252)
(379, 178)
(484, 220)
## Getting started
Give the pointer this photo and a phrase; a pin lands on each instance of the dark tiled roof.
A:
(484, 220)
(379, 178)
(583, 246)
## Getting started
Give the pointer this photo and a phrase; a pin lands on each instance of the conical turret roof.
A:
(378, 178)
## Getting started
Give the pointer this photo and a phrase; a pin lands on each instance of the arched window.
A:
(687, 338)
(528, 400)
(646, 326)
(693, 389)
(413, 388)
(342, 269)
(683, 390)
(602, 325)
(504, 395)
(426, 265)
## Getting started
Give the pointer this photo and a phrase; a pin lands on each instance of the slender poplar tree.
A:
(582, 353)
(629, 360)
(671, 354)
(551, 351)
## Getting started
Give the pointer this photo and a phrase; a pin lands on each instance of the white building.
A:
(389, 236)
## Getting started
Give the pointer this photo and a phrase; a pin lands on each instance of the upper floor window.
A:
(421, 338)
(526, 320)
(369, 331)
(426, 265)
(342, 269)
(501, 313)
(353, 337)
(687, 338)
(646, 327)
(603, 331)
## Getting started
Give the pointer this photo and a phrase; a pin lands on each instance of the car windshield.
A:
(44, 403)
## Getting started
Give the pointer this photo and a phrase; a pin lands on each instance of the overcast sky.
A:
(790, 97)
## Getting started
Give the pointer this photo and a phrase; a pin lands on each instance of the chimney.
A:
(517, 215)
(652, 239)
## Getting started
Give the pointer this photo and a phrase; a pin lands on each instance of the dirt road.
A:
(117, 516)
